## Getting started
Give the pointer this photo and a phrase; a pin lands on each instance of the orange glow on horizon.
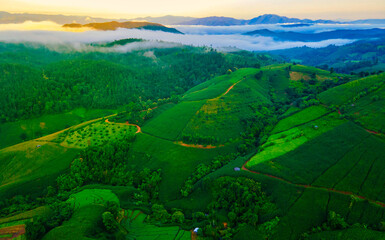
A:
(327, 9)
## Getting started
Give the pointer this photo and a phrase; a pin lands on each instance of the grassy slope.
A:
(24, 167)
(345, 158)
(295, 133)
(177, 162)
(334, 155)
(140, 230)
(222, 117)
(47, 124)
(170, 123)
(84, 224)
(351, 234)
(304, 116)
(343, 93)
(354, 163)
(368, 112)
(308, 161)
(197, 115)
(217, 86)
(28, 169)
(92, 196)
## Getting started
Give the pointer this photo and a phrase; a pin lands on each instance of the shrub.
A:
(35, 229)
(109, 222)
(178, 217)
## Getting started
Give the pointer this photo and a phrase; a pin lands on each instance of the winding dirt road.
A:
(127, 124)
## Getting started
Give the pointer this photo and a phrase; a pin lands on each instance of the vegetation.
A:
(362, 57)
(155, 143)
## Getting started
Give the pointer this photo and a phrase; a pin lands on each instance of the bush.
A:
(109, 222)
(375, 98)
(178, 217)
(35, 229)
(335, 221)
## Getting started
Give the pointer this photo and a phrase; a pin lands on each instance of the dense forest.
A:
(47, 81)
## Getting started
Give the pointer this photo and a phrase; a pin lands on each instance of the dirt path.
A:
(193, 235)
(139, 130)
(227, 91)
(197, 145)
(381, 204)
(372, 132)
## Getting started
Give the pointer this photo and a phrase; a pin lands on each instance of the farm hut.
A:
(237, 169)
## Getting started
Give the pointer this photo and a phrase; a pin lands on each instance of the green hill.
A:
(272, 134)
(338, 164)
(343, 93)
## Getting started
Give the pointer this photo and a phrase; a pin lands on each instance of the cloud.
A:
(217, 37)
(223, 30)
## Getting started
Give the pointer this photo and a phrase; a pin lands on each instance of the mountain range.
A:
(263, 19)
(6, 17)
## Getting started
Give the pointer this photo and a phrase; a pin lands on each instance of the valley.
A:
(211, 127)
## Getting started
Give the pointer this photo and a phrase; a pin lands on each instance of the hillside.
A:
(262, 132)
(343, 180)
(112, 26)
(358, 57)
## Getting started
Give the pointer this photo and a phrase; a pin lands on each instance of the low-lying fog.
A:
(218, 37)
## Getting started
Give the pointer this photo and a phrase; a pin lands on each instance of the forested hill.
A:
(105, 26)
(36, 81)
(361, 57)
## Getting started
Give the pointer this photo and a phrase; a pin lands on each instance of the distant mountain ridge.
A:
(263, 19)
(274, 19)
(311, 37)
(6, 17)
(215, 21)
(106, 26)
(167, 20)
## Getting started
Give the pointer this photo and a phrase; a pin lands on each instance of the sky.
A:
(314, 9)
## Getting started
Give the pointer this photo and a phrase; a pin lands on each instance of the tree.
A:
(375, 98)
(198, 216)
(35, 229)
(109, 222)
(178, 217)
(160, 213)
(23, 136)
(335, 221)
(232, 216)
(112, 207)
